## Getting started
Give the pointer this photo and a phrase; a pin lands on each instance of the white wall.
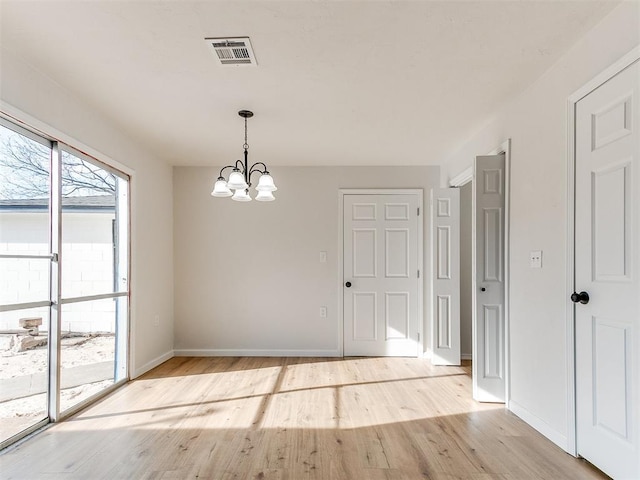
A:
(537, 124)
(466, 303)
(40, 102)
(248, 275)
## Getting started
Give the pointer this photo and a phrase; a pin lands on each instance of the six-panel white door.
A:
(489, 361)
(607, 268)
(381, 275)
(445, 262)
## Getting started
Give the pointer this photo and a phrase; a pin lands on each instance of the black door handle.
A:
(483, 289)
(582, 297)
(348, 284)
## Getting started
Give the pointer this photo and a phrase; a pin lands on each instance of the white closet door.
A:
(488, 289)
(445, 261)
(381, 275)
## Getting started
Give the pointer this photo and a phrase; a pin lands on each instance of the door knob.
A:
(483, 289)
(348, 284)
(582, 297)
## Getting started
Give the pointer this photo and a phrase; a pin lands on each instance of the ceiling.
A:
(337, 82)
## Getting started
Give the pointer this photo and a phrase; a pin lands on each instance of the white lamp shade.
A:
(220, 189)
(265, 184)
(265, 196)
(241, 195)
(236, 181)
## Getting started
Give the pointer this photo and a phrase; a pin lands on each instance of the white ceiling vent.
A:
(233, 50)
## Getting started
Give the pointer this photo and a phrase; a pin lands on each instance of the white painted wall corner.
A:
(153, 364)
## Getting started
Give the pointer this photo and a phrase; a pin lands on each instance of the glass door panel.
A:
(94, 262)
(24, 279)
(90, 358)
(89, 233)
(23, 369)
(24, 194)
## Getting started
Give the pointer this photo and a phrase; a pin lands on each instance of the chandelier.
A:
(240, 176)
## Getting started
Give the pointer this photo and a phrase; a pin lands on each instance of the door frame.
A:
(380, 191)
(606, 75)
(463, 178)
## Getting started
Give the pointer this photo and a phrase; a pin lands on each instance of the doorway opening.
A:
(466, 271)
(484, 272)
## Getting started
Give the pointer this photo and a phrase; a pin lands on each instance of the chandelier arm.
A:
(255, 169)
(241, 167)
(251, 173)
(223, 169)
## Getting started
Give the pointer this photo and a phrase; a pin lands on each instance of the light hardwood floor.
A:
(293, 418)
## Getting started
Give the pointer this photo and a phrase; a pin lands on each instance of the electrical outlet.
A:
(156, 321)
(323, 257)
(535, 259)
(323, 312)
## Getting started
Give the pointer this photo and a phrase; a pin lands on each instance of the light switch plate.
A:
(535, 259)
(323, 257)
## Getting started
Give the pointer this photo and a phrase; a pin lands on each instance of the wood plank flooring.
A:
(293, 418)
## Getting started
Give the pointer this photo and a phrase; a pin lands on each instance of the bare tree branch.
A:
(24, 171)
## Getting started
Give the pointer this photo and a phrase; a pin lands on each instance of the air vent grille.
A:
(233, 51)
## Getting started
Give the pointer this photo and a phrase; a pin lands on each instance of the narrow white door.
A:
(488, 286)
(381, 275)
(445, 262)
(607, 268)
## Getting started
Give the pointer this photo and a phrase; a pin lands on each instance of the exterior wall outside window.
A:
(88, 267)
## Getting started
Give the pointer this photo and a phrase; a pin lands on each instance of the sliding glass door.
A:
(94, 274)
(25, 257)
(64, 280)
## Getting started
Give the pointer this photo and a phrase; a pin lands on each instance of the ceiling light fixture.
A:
(240, 176)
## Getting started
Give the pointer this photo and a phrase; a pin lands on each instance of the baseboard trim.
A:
(229, 352)
(153, 364)
(539, 424)
(466, 356)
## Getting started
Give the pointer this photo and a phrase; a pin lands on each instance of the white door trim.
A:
(380, 191)
(610, 72)
(463, 177)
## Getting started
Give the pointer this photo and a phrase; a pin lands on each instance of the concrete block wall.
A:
(87, 260)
